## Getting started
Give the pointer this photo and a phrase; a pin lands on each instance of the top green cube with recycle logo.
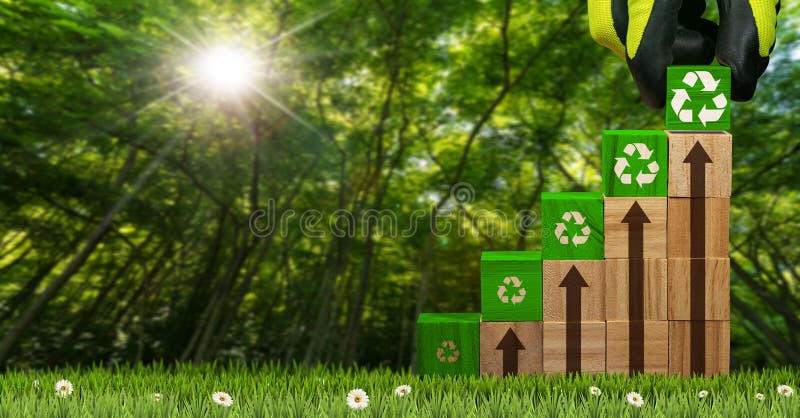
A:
(572, 226)
(511, 286)
(698, 97)
(635, 163)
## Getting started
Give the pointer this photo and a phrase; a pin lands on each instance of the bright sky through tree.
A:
(226, 69)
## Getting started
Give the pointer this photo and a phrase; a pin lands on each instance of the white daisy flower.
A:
(635, 399)
(357, 399)
(595, 391)
(36, 384)
(702, 394)
(64, 388)
(402, 390)
(786, 391)
(222, 398)
(157, 397)
(760, 396)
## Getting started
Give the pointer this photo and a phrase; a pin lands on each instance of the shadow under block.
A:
(653, 303)
(713, 155)
(711, 240)
(713, 301)
(698, 97)
(715, 336)
(653, 346)
(574, 347)
(574, 288)
(498, 347)
(622, 218)
(634, 163)
(572, 226)
(448, 343)
(511, 286)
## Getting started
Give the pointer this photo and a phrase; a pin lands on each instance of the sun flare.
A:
(226, 69)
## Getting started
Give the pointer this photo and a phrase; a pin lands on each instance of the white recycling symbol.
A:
(517, 284)
(577, 239)
(705, 114)
(642, 178)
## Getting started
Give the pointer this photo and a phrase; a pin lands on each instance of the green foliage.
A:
(295, 391)
(126, 187)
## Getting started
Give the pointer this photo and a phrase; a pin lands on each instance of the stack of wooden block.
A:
(632, 280)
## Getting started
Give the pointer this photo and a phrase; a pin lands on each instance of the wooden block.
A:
(713, 300)
(652, 345)
(648, 216)
(618, 294)
(566, 352)
(572, 226)
(635, 163)
(710, 153)
(511, 348)
(712, 239)
(716, 338)
(511, 286)
(698, 97)
(448, 343)
(574, 290)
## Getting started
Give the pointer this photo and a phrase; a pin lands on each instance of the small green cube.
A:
(698, 97)
(572, 226)
(511, 286)
(448, 344)
(635, 163)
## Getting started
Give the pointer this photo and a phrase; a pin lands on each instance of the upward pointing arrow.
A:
(573, 281)
(697, 160)
(636, 218)
(510, 345)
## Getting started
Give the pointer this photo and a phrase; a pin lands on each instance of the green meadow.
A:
(278, 391)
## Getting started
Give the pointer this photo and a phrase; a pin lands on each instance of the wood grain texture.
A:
(656, 347)
(655, 289)
(593, 347)
(554, 297)
(717, 353)
(717, 289)
(529, 334)
(654, 232)
(717, 222)
(718, 146)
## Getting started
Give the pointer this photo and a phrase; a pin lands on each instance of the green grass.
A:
(280, 392)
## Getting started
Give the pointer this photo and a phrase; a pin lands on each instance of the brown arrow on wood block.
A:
(510, 345)
(573, 282)
(636, 218)
(697, 160)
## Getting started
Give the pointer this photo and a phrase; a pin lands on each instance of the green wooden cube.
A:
(448, 343)
(572, 226)
(511, 286)
(635, 163)
(698, 97)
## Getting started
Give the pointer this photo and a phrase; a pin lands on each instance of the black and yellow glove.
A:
(654, 34)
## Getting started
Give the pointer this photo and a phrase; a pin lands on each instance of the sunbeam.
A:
(286, 110)
(163, 98)
(299, 27)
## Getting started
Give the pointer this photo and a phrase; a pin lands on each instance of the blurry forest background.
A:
(127, 188)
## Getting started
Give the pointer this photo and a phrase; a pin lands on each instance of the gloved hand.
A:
(654, 34)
